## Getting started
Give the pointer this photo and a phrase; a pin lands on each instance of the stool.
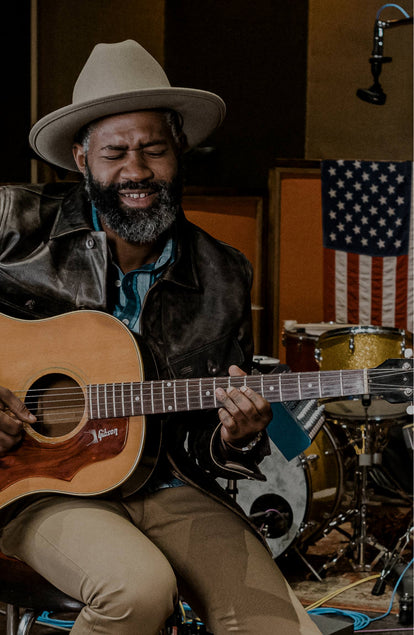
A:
(23, 588)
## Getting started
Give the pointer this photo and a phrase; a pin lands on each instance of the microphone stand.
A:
(375, 94)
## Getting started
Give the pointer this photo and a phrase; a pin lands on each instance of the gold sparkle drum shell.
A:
(362, 347)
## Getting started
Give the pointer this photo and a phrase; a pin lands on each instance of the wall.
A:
(15, 77)
(338, 124)
(254, 56)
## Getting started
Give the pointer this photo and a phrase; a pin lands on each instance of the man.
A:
(119, 243)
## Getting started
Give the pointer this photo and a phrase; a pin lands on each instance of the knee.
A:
(132, 601)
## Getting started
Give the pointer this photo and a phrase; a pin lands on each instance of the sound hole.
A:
(58, 403)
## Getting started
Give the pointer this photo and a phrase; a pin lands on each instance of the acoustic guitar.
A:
(82, 375)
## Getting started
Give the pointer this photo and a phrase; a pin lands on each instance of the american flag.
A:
(368, 244)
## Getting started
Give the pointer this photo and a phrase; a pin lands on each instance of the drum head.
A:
(283, 497)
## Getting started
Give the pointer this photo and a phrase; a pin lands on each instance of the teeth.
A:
(142, 195)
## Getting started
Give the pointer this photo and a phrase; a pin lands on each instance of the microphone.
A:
(375, 94)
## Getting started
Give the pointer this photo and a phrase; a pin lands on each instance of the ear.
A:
(79, 156)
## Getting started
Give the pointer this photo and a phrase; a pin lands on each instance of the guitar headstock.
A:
(392, 380)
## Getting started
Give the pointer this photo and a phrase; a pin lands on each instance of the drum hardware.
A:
(393, 568)
(369, 457)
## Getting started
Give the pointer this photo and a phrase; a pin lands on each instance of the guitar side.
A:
(67, 452)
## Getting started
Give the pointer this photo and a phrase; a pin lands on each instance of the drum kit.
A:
(331, 485)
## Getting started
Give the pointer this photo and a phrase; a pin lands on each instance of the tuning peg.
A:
(408, 353)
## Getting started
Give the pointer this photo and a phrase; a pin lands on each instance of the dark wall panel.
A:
(254, 56)
(15, 90)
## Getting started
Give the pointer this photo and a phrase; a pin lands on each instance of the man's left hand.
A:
(244, 414)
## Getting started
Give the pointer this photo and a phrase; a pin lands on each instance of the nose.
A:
(135, 167)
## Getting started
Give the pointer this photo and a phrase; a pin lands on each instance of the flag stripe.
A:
(376, 291)
(388, 291)
(401, 299)
(341, 287)
(365, 272)
(410, 276)
(368, 223)
(329, 285)
(353, 291)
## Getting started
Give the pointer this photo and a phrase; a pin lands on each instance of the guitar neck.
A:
(166, 396)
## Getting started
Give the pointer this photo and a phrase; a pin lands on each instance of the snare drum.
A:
(300, 341)
(362, 347)
(299, 498)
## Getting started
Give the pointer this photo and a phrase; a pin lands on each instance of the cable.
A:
(360, 619)
(397, 6)
(335, 593)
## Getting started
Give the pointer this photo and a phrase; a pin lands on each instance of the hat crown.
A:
(118, 68)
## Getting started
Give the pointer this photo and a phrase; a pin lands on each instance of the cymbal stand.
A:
(367, 455)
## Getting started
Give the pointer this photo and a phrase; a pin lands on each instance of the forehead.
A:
(133, 127)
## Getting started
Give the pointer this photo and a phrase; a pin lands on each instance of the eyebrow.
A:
(155, 142)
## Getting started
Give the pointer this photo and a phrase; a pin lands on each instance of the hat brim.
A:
(52, 136)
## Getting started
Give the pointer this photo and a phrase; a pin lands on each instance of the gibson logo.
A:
(99, 435)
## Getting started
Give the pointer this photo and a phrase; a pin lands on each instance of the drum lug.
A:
(318, 355)
(351, 343)
(311, 458)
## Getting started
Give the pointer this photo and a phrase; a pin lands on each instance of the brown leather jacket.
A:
(195, 319)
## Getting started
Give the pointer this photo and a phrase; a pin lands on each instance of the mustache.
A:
(152, 186)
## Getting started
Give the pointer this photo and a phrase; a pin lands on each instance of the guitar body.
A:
(66, 451)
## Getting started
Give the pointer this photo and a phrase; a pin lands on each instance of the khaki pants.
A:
(124, 560)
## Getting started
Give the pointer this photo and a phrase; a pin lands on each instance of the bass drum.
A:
(299, 498)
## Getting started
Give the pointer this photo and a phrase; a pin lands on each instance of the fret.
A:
(175, 395)
(163, 396)
(91, 413)
(131, 385)
(113, 401)
(168, 395)
(152, 396)
(106, 400)
(141, 390)
(200, 387)
(123, 400)
(97, 402)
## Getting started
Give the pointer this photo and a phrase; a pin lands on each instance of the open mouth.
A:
(135, 195)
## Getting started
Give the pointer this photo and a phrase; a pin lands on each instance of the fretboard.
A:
(163, 396)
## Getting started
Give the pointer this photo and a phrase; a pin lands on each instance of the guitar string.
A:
(158, 400)
(192, 386)
(286, 378)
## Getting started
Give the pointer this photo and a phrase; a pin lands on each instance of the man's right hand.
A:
(13, 413)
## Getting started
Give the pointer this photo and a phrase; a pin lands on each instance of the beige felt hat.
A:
(117, 78)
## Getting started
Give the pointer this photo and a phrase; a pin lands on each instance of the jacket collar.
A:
(183, 271)
(74, 215)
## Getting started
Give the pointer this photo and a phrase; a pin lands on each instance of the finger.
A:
(15, 406)
(9, 425)
(234, 401)
(7, 442)
(227, 421)
(236, 371)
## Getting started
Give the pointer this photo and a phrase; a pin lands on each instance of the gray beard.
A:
(136, 226)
